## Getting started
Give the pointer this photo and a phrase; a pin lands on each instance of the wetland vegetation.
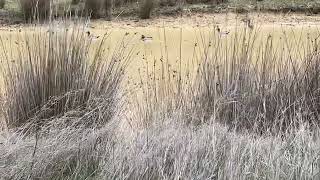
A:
(235, 96)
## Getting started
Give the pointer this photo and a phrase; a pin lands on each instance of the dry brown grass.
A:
(234, 85)
(246, 113)
(54, 74)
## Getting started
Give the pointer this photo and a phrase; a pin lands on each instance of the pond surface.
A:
(181, 45)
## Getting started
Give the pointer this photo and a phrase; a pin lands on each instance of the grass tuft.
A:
(242, 84)
(261, 91)
(54, 73)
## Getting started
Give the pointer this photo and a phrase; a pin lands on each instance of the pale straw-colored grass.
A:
(242, 115)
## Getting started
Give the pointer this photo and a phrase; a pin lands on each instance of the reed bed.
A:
(244, 112)
(55, 72)
(260, 89)
(245, 83)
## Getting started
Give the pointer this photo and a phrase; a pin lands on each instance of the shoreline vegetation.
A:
(242, 114)
(245, 105)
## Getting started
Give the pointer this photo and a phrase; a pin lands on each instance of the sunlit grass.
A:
(202, 105)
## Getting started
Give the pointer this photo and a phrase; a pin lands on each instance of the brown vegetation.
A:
(202, 127)
(54, 75)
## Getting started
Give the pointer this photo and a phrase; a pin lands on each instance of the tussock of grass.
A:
(263, 90)
(242, 84)
(54, 73)
(160, 152)
(245, 112)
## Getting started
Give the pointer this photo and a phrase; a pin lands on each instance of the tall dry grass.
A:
(263, 90)
(166, 151)
(54, 73)
(240, 83)
(245, 112)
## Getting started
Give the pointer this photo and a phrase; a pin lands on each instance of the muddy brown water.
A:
(182, 43)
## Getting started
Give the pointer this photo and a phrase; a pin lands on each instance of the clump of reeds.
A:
(59, 72)
(146, 7)
(261, 90)
(238, 84)
(241, 86)
(164, 151)
(35, 9)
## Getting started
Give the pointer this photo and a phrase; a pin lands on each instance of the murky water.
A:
(181, 49)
